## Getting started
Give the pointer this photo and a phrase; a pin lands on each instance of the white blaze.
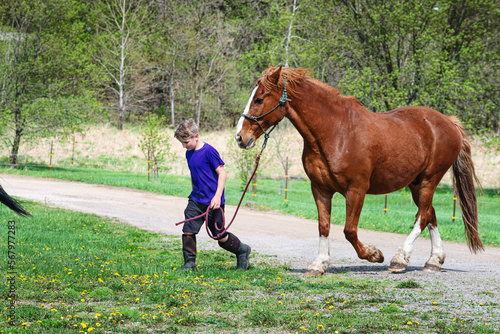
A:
(240, 122)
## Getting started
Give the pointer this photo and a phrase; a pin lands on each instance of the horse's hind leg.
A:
(437, 254)
(426, 217)
(401, 260)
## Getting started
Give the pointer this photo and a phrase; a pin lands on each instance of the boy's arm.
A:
(215, 203)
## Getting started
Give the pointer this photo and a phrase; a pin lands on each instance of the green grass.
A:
(80, 273)
(398, 218)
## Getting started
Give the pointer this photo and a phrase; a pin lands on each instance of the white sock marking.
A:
(410, 240)
(323, 260)
(436, 242)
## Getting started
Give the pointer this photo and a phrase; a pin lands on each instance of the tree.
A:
(432, 53)
(154, 144)
(163, 48)
(44, 69)
(117, 46)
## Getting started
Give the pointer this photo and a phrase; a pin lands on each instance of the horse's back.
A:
(411, 142)
(428, 124)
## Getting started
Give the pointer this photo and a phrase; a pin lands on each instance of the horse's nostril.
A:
(238, 138)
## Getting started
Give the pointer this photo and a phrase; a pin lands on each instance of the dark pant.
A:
(194, 209)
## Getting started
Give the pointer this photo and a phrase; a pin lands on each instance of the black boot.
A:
(189, 251)
(242, 251)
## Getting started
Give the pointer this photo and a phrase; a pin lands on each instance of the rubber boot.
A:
(241, 250)
(189, 252)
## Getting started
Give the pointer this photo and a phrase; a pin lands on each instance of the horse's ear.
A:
(275, 76)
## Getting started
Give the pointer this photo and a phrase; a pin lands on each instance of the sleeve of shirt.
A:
(215, 159)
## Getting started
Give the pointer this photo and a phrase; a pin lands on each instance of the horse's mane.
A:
(293, 77)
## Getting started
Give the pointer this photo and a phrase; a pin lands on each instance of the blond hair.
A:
(186, 130)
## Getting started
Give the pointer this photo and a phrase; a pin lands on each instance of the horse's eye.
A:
(258, 100)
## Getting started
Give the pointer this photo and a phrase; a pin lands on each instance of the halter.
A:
(281, 103)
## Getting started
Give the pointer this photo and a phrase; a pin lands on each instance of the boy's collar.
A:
(199, 145)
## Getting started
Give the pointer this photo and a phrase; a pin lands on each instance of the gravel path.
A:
(468, 285)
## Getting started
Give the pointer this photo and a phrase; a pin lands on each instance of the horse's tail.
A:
(464, 176)
(12, 203)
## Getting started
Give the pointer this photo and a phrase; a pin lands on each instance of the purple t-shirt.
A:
(202, 164)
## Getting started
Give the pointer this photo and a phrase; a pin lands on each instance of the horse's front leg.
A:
(354, 204)
(324, 204)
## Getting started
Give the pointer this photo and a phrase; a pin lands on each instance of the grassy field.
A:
(71, 272)
(398, 218)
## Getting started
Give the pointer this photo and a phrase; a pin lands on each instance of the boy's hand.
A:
(215, 203)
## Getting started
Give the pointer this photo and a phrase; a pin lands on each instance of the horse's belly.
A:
(387, 183)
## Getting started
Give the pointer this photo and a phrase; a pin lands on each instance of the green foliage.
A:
(61, 117)
(154, 143)
(45, 68)
(409, 284)
(188, 59)
(244, 162)
(422, 53)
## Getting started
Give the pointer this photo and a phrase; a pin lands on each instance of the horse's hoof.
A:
(399, 262)
(432, 268)
(310, 273)
(434, 263)
(375, 255)
(398, 267)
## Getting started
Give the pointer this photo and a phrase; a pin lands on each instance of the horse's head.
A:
(264, 109)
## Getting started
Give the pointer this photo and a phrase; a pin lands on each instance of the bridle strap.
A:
(281, 104)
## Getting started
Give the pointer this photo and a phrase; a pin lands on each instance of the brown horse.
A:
(352, 151)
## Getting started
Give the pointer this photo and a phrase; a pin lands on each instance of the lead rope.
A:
(222, 230)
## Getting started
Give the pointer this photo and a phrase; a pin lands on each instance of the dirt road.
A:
(292, 240)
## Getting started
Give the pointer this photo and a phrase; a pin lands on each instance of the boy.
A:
(208, 178)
